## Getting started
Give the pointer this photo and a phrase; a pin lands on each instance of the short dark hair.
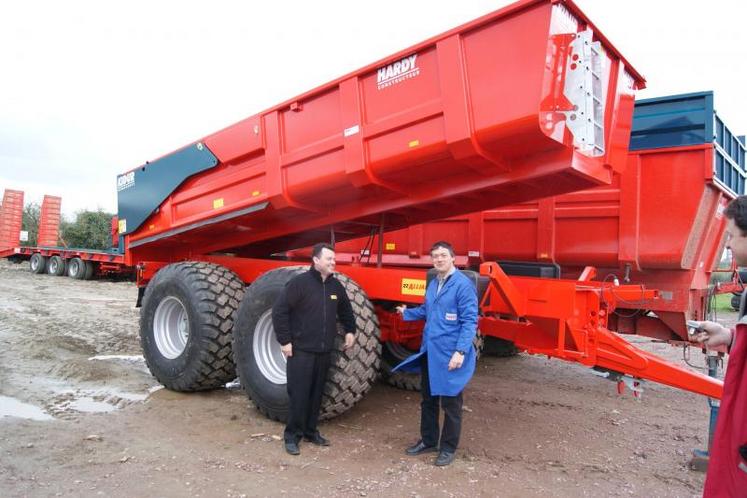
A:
(316, 251)
(737, 211)
(443, 244)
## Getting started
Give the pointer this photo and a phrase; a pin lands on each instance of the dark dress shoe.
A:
(419, 448)
(292, 448)
(445, 458)
(317, 439)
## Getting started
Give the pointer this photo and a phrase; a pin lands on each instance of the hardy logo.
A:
(397, 72)
(125, 181)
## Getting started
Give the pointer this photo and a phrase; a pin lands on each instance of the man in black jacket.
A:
(305, 321)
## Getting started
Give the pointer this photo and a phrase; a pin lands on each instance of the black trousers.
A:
(307, 373)
(429, 414)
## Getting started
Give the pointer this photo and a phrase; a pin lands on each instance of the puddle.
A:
(138, 358)
(11, 407)
(90, 405)
(136, 361)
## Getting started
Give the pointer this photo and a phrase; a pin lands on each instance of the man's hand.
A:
(456, 360)
(349, 341)
(287, 350)
(713, 335)
(401, 309)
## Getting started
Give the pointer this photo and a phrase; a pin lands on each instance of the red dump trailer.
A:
(658, 224)
(466, 121)
(47, 256)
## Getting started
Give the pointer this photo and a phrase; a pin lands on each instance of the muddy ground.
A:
(81, 416)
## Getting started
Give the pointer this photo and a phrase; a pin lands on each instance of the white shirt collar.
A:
(448, 274)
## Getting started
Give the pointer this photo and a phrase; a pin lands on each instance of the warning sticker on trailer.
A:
(413, 287)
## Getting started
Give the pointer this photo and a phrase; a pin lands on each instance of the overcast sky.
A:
(92, 89)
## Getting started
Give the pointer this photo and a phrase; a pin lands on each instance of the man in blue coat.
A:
(447, 357)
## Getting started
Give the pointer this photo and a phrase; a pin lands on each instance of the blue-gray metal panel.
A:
(672, 121)
(690, 119)
(141, 191)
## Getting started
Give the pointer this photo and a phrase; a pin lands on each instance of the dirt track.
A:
(69, 350)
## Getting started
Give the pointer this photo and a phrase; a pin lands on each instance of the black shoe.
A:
(292, 448)
(420, 448)
(317, 439)
(445, 458)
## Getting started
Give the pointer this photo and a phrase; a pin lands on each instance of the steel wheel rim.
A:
(74, 268)
(53, 266)
(267, 353)
(171, 327)
(34, 263)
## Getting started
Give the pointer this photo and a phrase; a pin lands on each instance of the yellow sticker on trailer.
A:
(122, 226)
(413, 287)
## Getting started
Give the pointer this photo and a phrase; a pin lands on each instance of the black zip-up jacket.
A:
(306, 311)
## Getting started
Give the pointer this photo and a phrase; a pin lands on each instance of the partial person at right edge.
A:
(727, 467)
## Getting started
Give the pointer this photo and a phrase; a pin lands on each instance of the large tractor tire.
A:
(395, 353)
(187, 316)
(90, 270)
(38, 263)
(56, 266)
(262, 367)
(76, 268)
(392, 355)
(501, 348)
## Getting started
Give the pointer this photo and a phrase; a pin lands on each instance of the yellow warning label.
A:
(413, 143)
(255, 193)
(122, 226)
(218, 203)
(390, 246)
(413, 287)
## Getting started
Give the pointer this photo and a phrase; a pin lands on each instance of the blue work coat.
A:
(450, 325)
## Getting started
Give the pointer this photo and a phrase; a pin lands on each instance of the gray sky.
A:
(90, 89)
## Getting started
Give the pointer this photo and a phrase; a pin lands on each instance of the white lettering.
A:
(125, 181)
(397, 72)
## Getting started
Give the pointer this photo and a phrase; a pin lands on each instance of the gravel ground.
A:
(89, 420)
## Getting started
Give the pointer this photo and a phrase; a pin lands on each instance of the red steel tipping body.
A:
(49, 221)
(490, 113)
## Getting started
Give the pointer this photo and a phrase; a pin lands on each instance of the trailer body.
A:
(526, 102)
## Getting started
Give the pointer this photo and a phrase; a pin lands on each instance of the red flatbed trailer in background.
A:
(47, 256)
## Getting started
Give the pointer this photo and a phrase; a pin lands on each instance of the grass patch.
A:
(723, 302)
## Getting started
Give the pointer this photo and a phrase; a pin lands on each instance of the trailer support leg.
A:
(700, 459)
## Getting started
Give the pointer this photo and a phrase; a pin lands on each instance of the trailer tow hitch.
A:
(635, 385)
